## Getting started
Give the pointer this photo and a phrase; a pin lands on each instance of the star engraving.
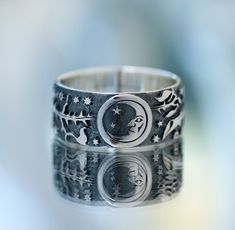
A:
(87, 195)
(75, 99)
(116, 111)
(87, 100)
(155, 138)
(116, 192)
(160, 172)
(112, 125)
(95, 158)
(160, 123)
(61, 96)
(156, 157)
(176, 150)
(76, 195)
(112, 178)
(95, 141)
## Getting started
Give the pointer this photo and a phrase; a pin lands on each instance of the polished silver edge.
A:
(107, 149)
(95, 70)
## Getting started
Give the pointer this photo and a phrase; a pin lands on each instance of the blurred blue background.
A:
(39, 40)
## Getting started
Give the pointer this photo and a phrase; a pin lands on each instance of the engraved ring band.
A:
(118, 107)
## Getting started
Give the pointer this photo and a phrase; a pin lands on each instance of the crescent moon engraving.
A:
(138, 127)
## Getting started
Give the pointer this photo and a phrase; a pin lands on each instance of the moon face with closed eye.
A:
(124, 121)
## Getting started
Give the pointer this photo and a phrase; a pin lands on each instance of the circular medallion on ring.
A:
(124, 180)
(124, 120)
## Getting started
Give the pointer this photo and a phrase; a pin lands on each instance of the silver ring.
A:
(121, 107)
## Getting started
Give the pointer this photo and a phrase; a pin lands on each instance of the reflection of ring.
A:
(121, 179)
(118, 106)
(128, 188)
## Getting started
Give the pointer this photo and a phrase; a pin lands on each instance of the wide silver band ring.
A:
(118, 107)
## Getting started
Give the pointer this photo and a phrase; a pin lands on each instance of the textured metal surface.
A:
(118, 119)
(121, 179)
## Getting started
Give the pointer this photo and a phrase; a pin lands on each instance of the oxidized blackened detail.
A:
(72, 124)
(169, 109)
(120, 179)
(124, 120)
